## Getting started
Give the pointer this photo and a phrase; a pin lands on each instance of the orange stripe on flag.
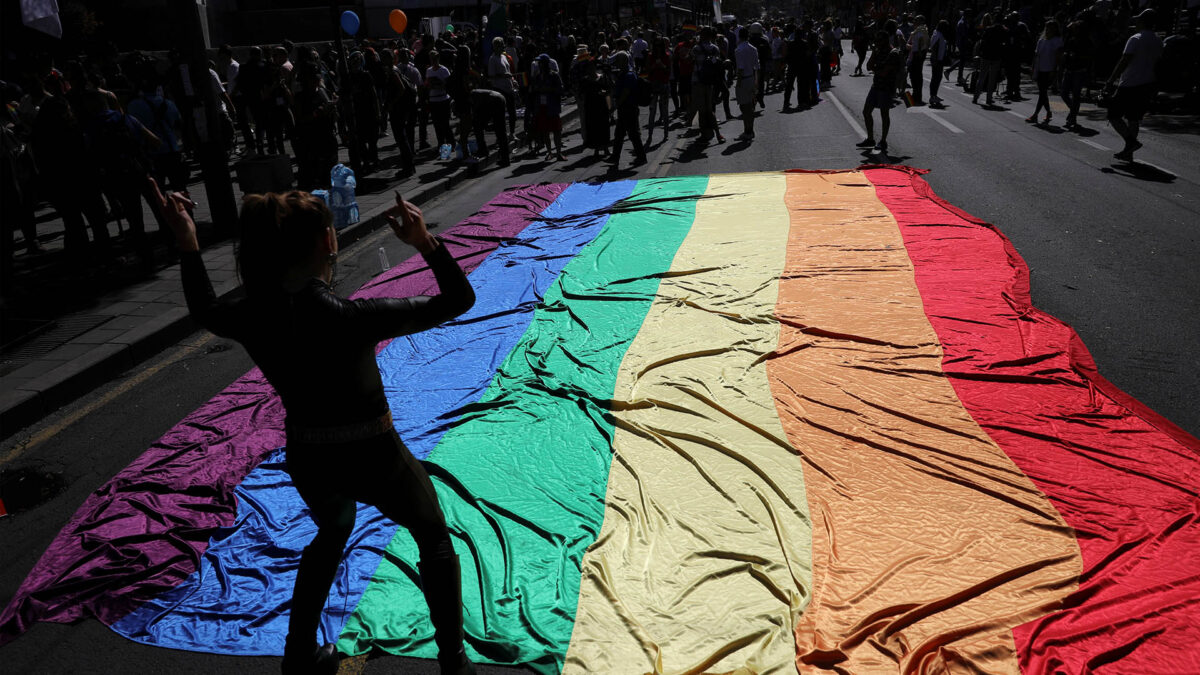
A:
(929, 544)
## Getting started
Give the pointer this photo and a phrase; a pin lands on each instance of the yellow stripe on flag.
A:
(703, 561)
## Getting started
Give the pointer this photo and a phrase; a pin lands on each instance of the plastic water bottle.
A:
(383, 261)
(444, 151)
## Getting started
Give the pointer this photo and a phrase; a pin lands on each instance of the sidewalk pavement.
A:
(83, 348)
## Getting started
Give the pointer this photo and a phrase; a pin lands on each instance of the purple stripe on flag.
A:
(145, 531)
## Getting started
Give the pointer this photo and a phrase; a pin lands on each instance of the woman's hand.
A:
(410, 229)
(176, 210)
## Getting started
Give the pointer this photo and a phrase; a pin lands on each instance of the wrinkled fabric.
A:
(1124, 478)
(521, 476)
(249, 572)
(929, 544)
(703, 563)
(747, 423)
(144, 532)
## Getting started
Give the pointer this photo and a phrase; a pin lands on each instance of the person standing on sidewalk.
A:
(436, 77)
(1045, 65)
(318, 351)
(1135, 83)
(500, 75)
(546, 88)
(487, 108)
(885, 64)
(748, 75)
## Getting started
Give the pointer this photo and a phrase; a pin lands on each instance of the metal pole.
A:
(214, 163)
(344, 91)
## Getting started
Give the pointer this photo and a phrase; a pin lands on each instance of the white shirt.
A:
(1047, 49)
(231, 74)
(437, 83)
(746, 59)
(937, 46)
(499, 73)
(639, 48)
(1146, 48)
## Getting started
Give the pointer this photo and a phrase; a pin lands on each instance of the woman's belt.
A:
(345, 433)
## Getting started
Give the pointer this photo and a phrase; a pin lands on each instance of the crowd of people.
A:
(993, 51)
(106, 123)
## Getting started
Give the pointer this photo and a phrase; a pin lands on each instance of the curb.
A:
(38, 398)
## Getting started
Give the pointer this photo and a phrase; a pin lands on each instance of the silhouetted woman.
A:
(318, 351)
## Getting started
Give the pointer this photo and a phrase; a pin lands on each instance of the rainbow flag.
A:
(741, 423)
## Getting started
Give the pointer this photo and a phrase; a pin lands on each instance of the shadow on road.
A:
(1139, 171)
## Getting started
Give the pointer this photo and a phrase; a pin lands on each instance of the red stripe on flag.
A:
(1123, 476)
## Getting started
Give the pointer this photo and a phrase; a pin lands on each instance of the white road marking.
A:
(1094, 144)
(936, 117)
(1155, 166)
(858, 128)
(1014, 112)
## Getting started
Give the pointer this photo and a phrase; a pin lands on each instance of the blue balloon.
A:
(350, 22)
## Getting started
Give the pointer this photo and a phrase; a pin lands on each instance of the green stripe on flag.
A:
(522, 477)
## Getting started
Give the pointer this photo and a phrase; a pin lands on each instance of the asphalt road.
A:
(1112, 248)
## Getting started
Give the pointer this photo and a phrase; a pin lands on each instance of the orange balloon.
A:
(398, 21)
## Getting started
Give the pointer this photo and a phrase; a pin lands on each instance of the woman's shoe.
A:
(1032, 119)
(323, 661)
(1048, 118)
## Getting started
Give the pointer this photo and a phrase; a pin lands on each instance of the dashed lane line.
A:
(936, 117)
(858, 128)
(1094, 144)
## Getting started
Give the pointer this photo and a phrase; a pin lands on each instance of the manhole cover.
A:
(24, 488)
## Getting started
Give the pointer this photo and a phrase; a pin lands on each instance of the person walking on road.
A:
(625, 84)
(708, 70)
(1045, 64)
(939, 53)
(658, 72)
(964, 46)
(748, 76)
(318, 351)
(885, 64)
(990, 49)
(1134, 79)
(1076, 66)
(918, 47)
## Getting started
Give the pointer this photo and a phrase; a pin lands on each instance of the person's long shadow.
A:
(1086, 132)
(694, 151)
(1136, 169)
(1052, 129)
(584, 161)
(438, 174)
(737, 147)
(527, 168)
(882, 157)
